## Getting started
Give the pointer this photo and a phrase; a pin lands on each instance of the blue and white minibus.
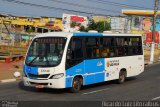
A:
(71, 60)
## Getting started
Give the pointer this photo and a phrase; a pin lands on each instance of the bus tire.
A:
(76, 85)
(122, 76)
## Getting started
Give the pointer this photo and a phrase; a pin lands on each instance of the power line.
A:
(11, 13)
(90, 7)
(49, 7)
(119, 4)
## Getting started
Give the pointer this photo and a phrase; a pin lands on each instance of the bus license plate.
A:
(39, 86)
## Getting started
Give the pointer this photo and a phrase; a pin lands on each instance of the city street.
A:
(145, 87)
(66, 44)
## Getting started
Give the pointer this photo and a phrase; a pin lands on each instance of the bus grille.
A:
(38, 76)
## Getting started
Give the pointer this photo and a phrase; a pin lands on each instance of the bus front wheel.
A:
(76, 85)
(122, 77)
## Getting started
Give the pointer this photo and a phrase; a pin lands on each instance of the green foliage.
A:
(82, 29)
(103, 26)
(92, 25)
(99, 26)
(30, 30)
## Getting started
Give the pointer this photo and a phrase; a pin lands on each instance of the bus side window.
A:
(105, 52)
(105, 44)
(121, 46)
(135, 47)
(92, 48)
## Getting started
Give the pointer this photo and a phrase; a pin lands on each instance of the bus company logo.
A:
(99, 63)
(112, 63)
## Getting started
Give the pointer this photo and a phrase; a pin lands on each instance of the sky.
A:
(55, 8)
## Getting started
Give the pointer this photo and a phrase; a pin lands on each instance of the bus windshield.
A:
(46, 51)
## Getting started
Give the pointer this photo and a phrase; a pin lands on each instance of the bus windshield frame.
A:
(46, 52)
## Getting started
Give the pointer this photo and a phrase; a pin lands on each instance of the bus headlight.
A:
(57, 76)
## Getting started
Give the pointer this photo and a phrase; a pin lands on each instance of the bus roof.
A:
(69, 34)
(121, 34)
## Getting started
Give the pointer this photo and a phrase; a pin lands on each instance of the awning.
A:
(140, 12)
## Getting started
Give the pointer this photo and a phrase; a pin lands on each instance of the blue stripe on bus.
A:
(32, 70)
(92, 71)
(95, 67)
(87, 34)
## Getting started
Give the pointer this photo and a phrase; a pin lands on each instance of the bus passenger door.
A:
(74, 60)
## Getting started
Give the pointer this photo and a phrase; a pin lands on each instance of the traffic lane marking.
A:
(156, 98)
(95, 91)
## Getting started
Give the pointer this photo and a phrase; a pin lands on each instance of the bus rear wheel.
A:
(122, 77)
(76, 85)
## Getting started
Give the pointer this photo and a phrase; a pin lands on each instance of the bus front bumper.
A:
(47, 83)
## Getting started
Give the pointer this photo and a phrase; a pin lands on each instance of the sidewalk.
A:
(7, 69)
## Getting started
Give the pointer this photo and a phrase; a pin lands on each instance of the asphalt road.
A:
(145, 87)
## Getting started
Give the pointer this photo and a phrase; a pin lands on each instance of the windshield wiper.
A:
(32, 60)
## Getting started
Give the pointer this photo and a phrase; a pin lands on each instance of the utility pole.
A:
(153, 31)
(1, 31)
(104, 25)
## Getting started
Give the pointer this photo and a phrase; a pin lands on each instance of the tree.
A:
(103, 26)
(92, 25)
(82, 29)
(98, 26)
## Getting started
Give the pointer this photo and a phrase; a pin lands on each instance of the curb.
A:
(151, 64)
(7, 80)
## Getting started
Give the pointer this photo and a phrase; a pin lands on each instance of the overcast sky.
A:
(55, 8)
